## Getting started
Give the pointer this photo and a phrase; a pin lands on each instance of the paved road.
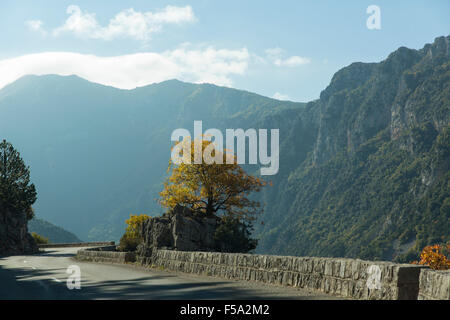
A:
(44, 276)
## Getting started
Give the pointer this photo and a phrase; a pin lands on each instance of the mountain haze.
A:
(53, 233)
(98, 154)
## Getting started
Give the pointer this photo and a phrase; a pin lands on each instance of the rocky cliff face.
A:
(181, 229)
(14, 236)
(363, 99)
(368, 163)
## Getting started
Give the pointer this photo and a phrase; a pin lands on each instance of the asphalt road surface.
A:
(44, 277)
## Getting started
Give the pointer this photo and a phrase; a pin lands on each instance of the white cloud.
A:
(127, 23)
(294, 61)
(275, 55)
(130, 71)
(274, 52)
(210, 65)
(280, 96)
(35, 25)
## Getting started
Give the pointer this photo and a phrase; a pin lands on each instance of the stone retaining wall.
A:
(349, 278)
(434, 285)
(78, 244)
(105, 254)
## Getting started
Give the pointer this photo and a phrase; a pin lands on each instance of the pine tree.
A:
(16, 190)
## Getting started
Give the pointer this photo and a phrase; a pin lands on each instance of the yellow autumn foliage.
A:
(433, 257)
(210, 186)
(134, 225)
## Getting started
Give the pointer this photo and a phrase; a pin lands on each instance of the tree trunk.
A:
(209, 207)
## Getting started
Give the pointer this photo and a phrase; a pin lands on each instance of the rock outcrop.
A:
(181, 229)
(14, 236)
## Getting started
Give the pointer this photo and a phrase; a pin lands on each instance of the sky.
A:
(287, 49)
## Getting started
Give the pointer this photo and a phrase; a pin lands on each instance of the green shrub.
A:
(128, 243)
(233, 235)
(39, 239)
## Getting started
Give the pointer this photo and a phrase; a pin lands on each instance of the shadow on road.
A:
(26, 283)
(54, 253)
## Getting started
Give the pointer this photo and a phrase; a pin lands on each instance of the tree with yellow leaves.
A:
(212, 185)
(134, 224)
(132, 237)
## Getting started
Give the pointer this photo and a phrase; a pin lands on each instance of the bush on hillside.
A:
(434, 257)
(39, 239)
(132, 238)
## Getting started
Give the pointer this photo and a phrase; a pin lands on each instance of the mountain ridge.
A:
(170, 82)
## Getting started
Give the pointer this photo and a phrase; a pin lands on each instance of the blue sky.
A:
(285, 49)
